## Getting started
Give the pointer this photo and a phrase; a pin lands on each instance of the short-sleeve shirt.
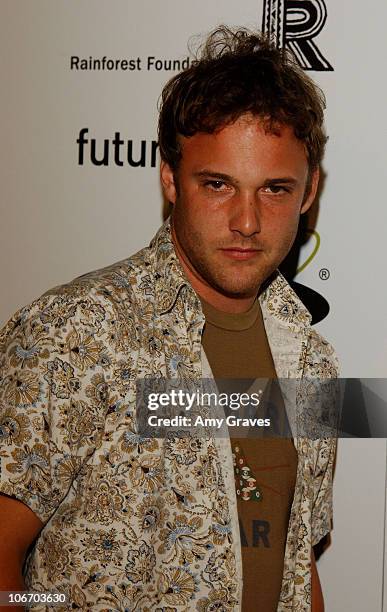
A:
(135, 522)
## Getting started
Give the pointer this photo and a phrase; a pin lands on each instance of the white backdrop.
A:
(60, 219)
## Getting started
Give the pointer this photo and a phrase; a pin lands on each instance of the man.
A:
(116, 520)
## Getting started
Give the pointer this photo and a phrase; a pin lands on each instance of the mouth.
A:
(240, 254)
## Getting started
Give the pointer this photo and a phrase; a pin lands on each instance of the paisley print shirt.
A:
(135, 523)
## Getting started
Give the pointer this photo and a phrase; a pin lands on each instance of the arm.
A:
(44, 404)
(19, 527)
(317, 596)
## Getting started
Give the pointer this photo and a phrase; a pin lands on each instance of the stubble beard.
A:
(232, 280)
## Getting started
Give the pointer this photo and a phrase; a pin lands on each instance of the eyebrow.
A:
(218, 175)
(282, 180)
(288, 180)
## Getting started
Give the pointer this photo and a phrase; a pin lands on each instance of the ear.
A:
(168, 182)
(311, 190)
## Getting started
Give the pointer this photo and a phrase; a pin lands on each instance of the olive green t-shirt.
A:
(265, 469)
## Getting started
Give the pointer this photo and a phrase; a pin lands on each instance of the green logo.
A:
(313, 254)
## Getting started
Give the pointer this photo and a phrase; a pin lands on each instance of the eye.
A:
(275, 189)
(215, 185)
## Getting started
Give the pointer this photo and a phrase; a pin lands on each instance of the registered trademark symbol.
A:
(324, 274)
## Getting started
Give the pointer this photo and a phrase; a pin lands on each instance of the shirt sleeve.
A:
(52, 397)
(324, 403)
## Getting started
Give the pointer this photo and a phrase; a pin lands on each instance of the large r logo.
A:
(294, 24)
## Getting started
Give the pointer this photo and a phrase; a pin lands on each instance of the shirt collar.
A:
(278, 298)
(169, 277)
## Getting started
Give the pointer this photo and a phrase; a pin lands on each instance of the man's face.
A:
(237, 204)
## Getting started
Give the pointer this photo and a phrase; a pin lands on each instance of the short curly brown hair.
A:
(238, 72)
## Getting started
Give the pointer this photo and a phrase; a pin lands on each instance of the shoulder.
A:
(69, 341)
(96, 301)
(118, 282)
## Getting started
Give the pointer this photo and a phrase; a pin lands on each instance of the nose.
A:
(244, 217)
